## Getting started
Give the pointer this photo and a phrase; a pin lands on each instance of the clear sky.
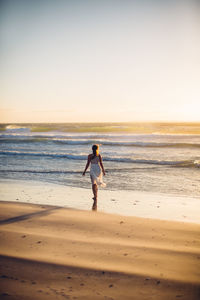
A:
(88, 61)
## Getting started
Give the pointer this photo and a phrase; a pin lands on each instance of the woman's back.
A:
(95, 159)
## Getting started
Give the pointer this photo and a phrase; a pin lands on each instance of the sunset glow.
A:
(100, 61)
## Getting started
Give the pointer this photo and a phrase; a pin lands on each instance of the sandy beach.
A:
(100, 150)
(50, 252)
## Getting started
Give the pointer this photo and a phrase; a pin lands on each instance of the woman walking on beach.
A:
(96, 170)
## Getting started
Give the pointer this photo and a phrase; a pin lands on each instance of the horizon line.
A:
(106, 122)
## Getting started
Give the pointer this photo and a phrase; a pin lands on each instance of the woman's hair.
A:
(95, 149)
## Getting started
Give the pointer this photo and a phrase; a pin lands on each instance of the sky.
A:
(99, 61)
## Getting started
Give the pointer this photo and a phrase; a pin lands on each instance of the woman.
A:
(96, 170)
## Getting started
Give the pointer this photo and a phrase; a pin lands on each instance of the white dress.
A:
(96, 172)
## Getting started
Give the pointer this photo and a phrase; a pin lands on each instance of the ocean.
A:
(151, 157)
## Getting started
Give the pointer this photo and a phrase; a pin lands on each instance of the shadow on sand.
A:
(28, 216)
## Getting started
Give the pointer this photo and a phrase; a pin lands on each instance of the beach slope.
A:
(49, 252)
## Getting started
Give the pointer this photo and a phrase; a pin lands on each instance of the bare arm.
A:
(87, 164)
(101, 164)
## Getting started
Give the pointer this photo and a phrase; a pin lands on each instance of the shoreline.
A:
(50, 252)
(124, 203)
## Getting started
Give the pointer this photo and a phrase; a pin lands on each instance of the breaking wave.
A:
(181, 163)
(85, 141)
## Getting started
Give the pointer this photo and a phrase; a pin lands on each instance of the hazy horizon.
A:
(166, 128)
(99, 61)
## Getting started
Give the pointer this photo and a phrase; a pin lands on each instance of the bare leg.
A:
(94, 206)
(94, 189)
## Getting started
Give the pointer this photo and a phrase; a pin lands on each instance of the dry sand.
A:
(51, 252)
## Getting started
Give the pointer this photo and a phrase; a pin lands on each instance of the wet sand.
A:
(121, 202)
(50, 252)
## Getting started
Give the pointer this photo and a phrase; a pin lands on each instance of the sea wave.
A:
(40, 171)
(16, 127)
(121, 128)
(180, 163)
(92, 140)
(44, 154)
(127, 144)
(59, 172)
